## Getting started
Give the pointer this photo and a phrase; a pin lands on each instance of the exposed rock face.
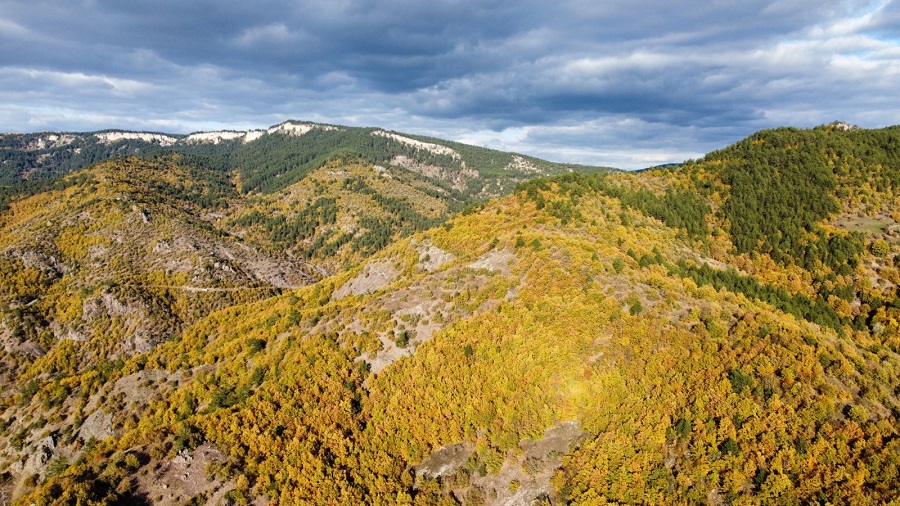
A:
(38, 460)
(215, 137)
(32, 257)
(522, 165)
(444, 461)
(428, 146)
(432, 258)
(532, 471)
(524, 477)
(98, 426)
(110, 137)
(184, 477)
(139, 387)
(374, 277)
(844, 127)
(495, 261)
(458, 178)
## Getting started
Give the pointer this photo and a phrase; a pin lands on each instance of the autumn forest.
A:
(353, 316)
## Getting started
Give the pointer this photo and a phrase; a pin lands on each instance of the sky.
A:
(625, 84)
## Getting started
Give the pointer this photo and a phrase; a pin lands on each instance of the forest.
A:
(723, 331)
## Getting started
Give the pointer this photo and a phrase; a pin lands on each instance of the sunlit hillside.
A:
(725, 332)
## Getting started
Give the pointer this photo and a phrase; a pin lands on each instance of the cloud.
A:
(10, 29)
(576, 80)
(76, 82)
(275, 33)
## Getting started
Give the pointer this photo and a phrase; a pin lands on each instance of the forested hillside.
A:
(344, 212)
(812, 213)
(41, 156)
(119, 259)
(270, 160)
(722, 332)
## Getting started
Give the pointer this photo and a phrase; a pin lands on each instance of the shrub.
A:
(402, 340)
(636, 308)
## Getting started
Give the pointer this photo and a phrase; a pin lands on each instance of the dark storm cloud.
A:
(599, 82)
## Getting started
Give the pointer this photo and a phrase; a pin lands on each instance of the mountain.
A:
(272, 159)
(725, 331)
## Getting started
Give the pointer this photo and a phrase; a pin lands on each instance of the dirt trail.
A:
(210, 289)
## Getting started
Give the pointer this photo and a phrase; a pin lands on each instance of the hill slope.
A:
(811, 212)
(135, 249)
(123, 258)
(342, 212)
(588, 339)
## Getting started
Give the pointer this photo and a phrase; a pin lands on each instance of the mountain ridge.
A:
(40, 155)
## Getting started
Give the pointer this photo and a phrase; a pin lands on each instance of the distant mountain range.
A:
(272, 159)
